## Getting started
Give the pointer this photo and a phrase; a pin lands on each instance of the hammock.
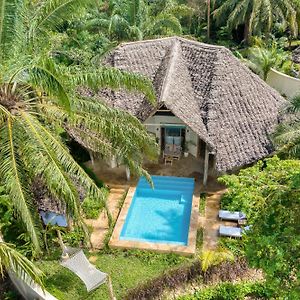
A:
(79, 264)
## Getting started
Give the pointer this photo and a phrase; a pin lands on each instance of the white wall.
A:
(153, 124)
(283, 83)
(29, 291)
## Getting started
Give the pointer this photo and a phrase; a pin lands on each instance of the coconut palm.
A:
(137, 20)
(287, 135)
(258, 16)
(39, 99)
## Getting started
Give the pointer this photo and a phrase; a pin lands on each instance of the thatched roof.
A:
(45, 201)
(296, 56)
(209, 89)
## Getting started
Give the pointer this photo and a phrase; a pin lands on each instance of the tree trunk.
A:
(247, 32)
(208, 18)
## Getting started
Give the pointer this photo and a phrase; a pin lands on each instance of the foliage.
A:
(258, 16)
(215, 257)
(91, 207)
(39, 100)
(229, 291)
(136, 20)
(74, 237)
(287, 134)
(12, 260)
(263, 56)
(269, 195)
(202, 203)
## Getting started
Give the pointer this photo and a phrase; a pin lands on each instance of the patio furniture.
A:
(88, 273)
(168, 160)
(231, 216)
(231, 231)
(172, 150)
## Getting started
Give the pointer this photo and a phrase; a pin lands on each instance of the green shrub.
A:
(229, 291)
(202, 203)
(74, 238)
(92, 207)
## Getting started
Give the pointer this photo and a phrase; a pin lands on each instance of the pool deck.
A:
(185, 167)
(190, 249)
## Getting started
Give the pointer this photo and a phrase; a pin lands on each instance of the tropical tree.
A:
(287, 135)
(137, 20)
(269, 194)
(39, 99)
(258, 16)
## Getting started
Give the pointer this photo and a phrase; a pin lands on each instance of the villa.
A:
(209, 104)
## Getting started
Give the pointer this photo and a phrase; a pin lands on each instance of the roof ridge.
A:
(174, 53)
(175, 37)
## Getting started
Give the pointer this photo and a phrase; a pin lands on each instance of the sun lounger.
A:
(231, 216)
(232, 231)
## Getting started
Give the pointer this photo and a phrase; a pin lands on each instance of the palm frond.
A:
(46, 165)
(45, 78)
(16, 182)
(12, 260)
(8, 14)
(214, 257)
(115, 79)
(166, 22)
(52, 13)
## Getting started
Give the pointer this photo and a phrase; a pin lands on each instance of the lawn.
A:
(127, 269)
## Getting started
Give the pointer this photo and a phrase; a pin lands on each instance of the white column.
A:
(113, 162)
(206, 160)
(91, 157)
(127, 173)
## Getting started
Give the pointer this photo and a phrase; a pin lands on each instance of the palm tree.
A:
(262, 57)
(211, 258)
(287, 135)
(39, 100)
(12, 260)
(136, 20)
(258, 16)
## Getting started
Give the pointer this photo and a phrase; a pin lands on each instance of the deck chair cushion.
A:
(233, 216)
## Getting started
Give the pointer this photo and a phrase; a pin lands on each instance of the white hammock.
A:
(79, 264)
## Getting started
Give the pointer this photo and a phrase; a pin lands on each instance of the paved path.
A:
(100, 226)
(210, 221)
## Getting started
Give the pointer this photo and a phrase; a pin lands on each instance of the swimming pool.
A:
(162, 214)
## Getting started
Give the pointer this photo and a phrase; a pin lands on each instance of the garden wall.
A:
(284, 84)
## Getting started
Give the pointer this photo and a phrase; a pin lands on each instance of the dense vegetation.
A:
(269, 194)
(49, 49)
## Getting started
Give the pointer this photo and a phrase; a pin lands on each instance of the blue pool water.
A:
(162, 214)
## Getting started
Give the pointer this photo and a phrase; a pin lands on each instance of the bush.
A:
(229, 291)
(92, 207)
(227, 271)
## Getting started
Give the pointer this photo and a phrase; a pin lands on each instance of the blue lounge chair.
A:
(232, 231)
(231, 216)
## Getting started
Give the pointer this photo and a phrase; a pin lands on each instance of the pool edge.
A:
(188, 250)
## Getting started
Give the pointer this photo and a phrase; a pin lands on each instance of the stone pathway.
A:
(210, 221)
(100, 225)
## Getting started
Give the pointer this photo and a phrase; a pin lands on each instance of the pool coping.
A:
(188, 250)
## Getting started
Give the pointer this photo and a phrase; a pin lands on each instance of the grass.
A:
(126, 268)
(202, 203)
